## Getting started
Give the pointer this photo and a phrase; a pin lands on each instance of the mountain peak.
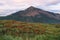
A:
(31, 7)
(33, 14)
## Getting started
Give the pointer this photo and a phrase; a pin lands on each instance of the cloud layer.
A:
(23, 4)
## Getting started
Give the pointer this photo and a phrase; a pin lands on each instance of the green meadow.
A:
(16, 30)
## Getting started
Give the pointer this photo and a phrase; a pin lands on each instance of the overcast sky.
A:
(9, 6)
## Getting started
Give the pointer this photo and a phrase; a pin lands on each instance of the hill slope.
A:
(33, 14)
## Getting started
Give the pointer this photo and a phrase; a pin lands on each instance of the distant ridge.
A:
(33, 14)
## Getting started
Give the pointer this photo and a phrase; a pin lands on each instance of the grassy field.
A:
(15, 30)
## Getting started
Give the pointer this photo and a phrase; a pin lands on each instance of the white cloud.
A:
(54, 8)
(23, 4)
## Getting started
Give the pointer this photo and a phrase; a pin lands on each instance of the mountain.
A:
(33, 14)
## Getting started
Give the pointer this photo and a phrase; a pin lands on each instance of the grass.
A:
(37, 37)
(15, 30)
